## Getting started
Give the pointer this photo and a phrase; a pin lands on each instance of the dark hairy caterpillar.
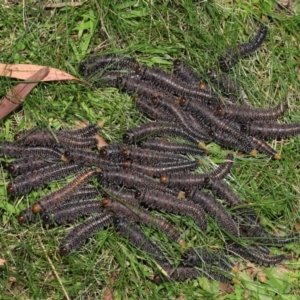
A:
(218, 126)
(82, 232)
(95, 64)
(270, 131)
(9, 149)
(198, 257)
(27, 216)
(89, 158)
(82, 194)
(154, 113)
(172, 85)
(111, 152)
(227, 85)
(71, 211)
(232, 55)
(24, 183)
(162, 169)
(88, 131)
(153, 129)
(158, 200)
(131, 179)
(222, 190)
(142, 216)
(25, 165)
(146, 156)
(265, 148)
(57, 197)
(181, 273)
(45, 137)
(255, 232)
(164, 145)
(255, 254)
(188, 122)
(122, 195)
(215, 210)
(136, 237)
(188, 181)
(248, 114)
(185, 73)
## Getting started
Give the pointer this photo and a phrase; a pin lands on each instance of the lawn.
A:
(155, 33)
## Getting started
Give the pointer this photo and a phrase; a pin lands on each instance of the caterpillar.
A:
(257, 233)
(222, 190)
(9, 149)
(25, 165)
(255, 255)
(26, 216)
(248, 114)
(154, 113)
(87, 131)
(142, 216)
(145, 156)
(220, 128)
(231, 56)
(71, 211)
(89, 158)
(215, 210)
(185, 73)
(227, 85)
(174, 86)
(182, 273)
(153, 129)
(82, 194)
(111, 152)
(263, 147)
(131, 179)
(114, 192)
(136, 237)
(188, 181)
(57, 197)
(166, 202)
(82, 232)
(44, 137)
(164, 145)
(161, 169)
(269, 131)
(108, 62)
(134, 86)
(189, 123)
(199, 257)
(33, 180)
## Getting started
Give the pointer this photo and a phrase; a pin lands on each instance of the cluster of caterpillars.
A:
(117, 186)
(181, 104)
(123, 185)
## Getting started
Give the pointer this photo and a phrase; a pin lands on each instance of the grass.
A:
(155, 32)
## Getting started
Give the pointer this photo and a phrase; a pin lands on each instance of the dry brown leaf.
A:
(262, 276)
(107, 291)
(17, 95)
(23, 71)
(226, 287)
(2, 262)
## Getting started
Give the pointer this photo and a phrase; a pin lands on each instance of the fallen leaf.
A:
(17, 94)
(2, 262)
(262, 276)
(23, 71)
(226, 287)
